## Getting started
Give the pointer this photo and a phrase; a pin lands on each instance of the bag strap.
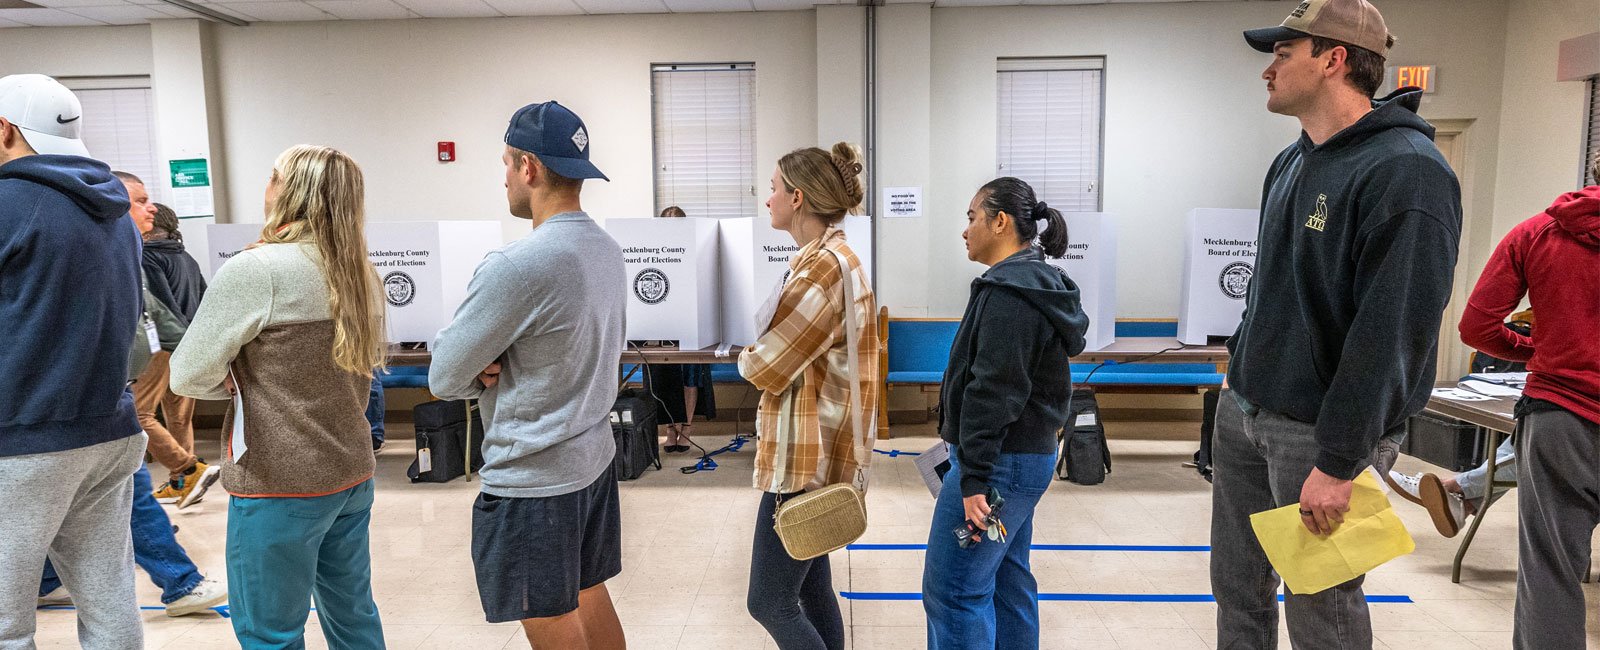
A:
(853, 341)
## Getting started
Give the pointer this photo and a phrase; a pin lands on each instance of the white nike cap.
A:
(49, 115)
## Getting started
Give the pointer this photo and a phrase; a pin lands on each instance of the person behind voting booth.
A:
(66, 415)
(684, 389)
(1554, 260)
(292, 328)
(1006, 394)
(1360, 221)
(537, 340)
(800, 363)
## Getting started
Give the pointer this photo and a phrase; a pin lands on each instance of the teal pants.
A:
(283, 551)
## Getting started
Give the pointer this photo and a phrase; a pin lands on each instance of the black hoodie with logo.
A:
(1008, 383)
(1358, 246)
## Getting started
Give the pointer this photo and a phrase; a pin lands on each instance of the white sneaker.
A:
(1445, 507)
(1409, 487)
(58, 596)
(209, 593)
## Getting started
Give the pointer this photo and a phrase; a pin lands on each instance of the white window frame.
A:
(687, 172)
(1055, 192)
(1591, 135)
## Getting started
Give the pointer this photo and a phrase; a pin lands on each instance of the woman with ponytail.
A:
(801, 362)
(1006, 394)
(292, 329)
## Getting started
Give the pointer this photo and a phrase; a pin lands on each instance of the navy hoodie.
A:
(1008, 385)
(1358, 244)
(69, 305)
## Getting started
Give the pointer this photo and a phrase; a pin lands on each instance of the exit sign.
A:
(1421, 76)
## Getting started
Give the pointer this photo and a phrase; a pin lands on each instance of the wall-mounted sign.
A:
(1421, 76)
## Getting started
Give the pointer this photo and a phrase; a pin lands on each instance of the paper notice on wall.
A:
(902, 201)
(191, 188)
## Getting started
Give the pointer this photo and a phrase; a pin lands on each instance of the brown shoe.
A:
(1445, 507)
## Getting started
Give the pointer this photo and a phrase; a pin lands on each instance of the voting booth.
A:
(673, 292)
(1219, 260)
(424, 266)
(1091, 262)
(755, 259)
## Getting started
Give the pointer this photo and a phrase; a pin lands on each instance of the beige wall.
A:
(76, 51)
(1185, 119)
(387, 91)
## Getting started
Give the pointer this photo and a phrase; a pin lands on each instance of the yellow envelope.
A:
(1370, 536)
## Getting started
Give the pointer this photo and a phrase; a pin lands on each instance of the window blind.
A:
(1050, 128)
(705, 132)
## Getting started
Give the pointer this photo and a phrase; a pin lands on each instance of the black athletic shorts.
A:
(534, 555)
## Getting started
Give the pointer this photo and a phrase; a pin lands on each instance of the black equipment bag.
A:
(1085, 457)
(633, 423)
(446, 433)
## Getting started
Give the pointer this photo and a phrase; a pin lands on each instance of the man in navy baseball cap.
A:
(536, 340)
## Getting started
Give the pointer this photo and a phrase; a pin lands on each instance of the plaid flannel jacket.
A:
(807, 439)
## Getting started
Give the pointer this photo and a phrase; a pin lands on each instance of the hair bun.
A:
(1041, 211)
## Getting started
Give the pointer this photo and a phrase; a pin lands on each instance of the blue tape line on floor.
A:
(1047, 547)
(892, 453)
(221, 610)
(1102, 598)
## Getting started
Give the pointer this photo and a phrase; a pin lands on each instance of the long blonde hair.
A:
(321, 200)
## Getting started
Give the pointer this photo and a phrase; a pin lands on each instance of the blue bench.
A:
(920, 349)
(405, 377)
(721, 373)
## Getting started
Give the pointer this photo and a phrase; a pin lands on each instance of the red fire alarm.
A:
(447, 152)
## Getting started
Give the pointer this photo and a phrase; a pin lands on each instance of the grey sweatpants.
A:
(1261, 462)
(74, 506)
(1558, 495)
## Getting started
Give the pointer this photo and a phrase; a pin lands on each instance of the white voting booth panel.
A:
(754, 260)
(672, 268)
(1219, 260)
(424, 266)
(1091, 262)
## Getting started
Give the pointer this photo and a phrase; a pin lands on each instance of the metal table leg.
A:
(1491, 442)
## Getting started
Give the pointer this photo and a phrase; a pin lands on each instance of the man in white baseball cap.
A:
(49, 115)
(71, 258)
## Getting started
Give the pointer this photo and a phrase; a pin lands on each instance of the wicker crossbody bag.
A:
(827, 519)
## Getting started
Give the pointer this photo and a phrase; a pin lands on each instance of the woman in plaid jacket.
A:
(800, 363)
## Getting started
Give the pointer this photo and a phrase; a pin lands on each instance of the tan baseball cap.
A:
(1356, 22)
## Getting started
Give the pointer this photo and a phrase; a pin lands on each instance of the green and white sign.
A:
(190, 173)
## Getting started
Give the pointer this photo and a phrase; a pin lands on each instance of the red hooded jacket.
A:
(1554, 258)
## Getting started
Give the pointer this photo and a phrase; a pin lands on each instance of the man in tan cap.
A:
(1360, 223)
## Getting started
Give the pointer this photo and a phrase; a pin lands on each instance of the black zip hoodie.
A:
(1009, 382)
(175, 277)
(1358, 246)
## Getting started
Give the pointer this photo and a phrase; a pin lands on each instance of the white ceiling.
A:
(60, 13)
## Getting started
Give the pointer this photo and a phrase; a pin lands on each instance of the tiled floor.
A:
(687, 548)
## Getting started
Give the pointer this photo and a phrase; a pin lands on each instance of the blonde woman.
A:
(292, 329)
(800, 363)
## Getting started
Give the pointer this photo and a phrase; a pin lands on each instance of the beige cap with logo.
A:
(1356, 22)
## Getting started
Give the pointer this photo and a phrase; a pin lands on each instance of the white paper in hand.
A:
(236, 445)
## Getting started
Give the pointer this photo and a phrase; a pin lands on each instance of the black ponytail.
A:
(1016, 198)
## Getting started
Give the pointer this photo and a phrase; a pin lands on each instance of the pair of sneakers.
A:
(1447, 509)
(205, 595)
(189, 486)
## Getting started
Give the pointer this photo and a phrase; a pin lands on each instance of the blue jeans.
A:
(985, 596)
(375, 408)
(154, 548)
(283, 551)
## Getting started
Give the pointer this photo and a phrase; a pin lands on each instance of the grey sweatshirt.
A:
(550, 307)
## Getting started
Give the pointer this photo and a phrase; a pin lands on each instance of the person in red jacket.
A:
(1553, 258)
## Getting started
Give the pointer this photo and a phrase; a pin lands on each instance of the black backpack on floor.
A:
(446, 433)
(1085, 457)
(633, 424)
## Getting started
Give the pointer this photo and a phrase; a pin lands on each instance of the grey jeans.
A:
(1558, 478)
(80, 520)
(1261, 461)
